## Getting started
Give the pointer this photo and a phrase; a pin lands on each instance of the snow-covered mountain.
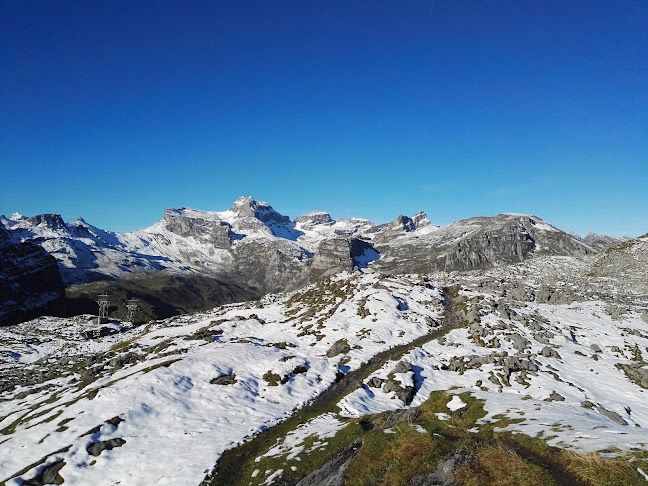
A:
(254, 245)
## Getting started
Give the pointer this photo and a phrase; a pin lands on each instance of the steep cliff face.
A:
(333, 255)
(209, 230)
(30, 283)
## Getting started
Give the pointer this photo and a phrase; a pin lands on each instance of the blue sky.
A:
(117, 110)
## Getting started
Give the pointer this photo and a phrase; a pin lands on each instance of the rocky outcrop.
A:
(30, 282)
(213, 231)
(333, 473)
(51, 221)
(333, 255)
(477, 244)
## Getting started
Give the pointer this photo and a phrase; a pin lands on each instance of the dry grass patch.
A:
(595, 469)
(500, 464)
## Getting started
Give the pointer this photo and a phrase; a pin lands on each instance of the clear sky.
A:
(117, 110)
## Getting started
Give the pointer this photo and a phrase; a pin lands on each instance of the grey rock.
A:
(518, 342)
(215, 232)
(478, 331)
(549, 352)
(96, 448)
(596, 348)
(341, 346)
(402, 224)
(390, 386)
(48, 475)
(515, 363)
(601, 242)
(375, 382)
(442, 476)
(636, 373)
(456, 364)
(587, 404)
(402, 367)
(124, 359)
(228, 379)
(444, 473)
(408, 415)
(613, 416)
(334, 471)
(556, 397)
(406, 394)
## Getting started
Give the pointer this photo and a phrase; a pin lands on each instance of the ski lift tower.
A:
(104, 301)
(132, 306)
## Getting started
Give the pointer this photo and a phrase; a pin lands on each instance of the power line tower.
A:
(104, 301)
(132, 306)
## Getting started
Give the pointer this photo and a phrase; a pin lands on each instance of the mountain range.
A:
(192, 260)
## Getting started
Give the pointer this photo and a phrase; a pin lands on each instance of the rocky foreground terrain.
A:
(526, 373)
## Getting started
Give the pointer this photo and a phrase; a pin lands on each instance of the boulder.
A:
(227, 379)
(556, 397)
(549, 352)
(341, 346)
(613, 416)
(96, 448)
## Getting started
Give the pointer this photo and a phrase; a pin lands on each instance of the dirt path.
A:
(232, 460)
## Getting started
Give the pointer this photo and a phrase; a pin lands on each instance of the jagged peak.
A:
(16, 216)
(407, 224)
(248, 207)
(247, 202)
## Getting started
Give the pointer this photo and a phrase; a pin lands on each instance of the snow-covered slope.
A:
(168, 398)
(542, 343)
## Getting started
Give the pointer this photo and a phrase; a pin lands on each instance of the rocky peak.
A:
(52, 221)
(315, 218)
(248, 207)
(403, 223)
(421, 220)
